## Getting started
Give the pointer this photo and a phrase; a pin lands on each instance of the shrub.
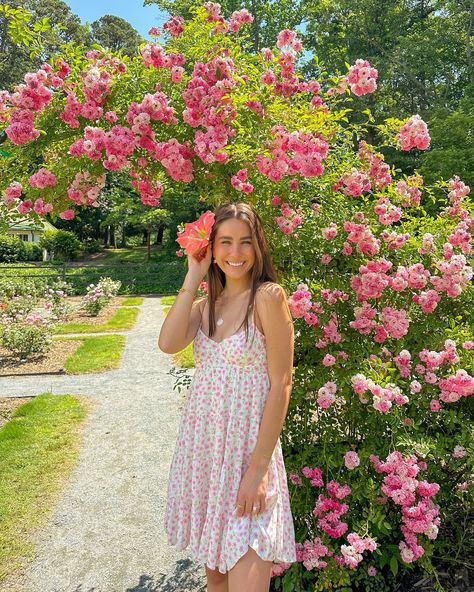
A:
(92, 245)
(12, 249)
(27, 337)
(98, 296)
(62, 243)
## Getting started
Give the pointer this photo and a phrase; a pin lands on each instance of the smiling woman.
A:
(235, 513)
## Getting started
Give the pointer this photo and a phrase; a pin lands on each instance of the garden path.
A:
(106, 534)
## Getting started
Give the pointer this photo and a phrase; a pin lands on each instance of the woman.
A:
(228, 494)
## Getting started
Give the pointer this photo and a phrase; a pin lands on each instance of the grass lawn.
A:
(184, 358)
(96, 354)
(123, 320)
(39, 447)
(133, 301)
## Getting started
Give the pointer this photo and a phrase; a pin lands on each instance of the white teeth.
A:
(235, 264)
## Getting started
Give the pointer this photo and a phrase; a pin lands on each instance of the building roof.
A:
(43, 225)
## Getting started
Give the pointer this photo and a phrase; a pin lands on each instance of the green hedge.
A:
(13, 249)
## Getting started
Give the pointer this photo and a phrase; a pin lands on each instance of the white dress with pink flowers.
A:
(217, 435)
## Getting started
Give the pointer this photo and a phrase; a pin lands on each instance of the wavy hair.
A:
(263, 269)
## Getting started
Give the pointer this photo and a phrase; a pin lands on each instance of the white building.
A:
(31, 231)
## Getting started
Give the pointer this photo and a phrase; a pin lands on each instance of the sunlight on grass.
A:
(96, 354)
(123, 320)
(39, 447)
(132, 301)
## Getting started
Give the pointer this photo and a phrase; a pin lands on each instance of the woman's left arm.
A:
(274, 313)
(275, 316)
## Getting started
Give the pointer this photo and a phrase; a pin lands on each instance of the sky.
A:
(139, 16)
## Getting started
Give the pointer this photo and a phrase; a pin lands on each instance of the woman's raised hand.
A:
(198, 266)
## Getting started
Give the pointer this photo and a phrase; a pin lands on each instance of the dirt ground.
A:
(52, 361)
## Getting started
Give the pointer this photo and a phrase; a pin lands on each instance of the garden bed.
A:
(52, 361)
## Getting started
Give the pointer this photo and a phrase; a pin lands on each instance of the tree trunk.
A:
(159, 235)
(123, 242)
(107, 237)
(112, 236)
(469, 27)
(148, 243)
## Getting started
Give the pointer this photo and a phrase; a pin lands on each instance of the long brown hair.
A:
(263, 269)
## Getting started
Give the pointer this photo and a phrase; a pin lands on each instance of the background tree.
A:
(62, 26)
(117, 34)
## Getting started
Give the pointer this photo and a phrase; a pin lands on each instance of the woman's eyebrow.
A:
(230, 238)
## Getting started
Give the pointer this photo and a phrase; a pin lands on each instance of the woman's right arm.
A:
(182, 321)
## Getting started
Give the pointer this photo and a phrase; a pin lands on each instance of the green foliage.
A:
(12, 249)
(24, 340)
(62, 243)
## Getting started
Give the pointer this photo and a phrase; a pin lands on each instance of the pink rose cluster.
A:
(239, 18)
(30, 98)
(329, 509)
(150, 191)
(394, 322)
(208, 104)
(362, 78)
(461, 236)
(393, 240)
(290, 219)
(327, 394)
(414, 134)
(351, 460)
(355, 183)
(457, 191)
(379, 171)
(351, 555)
(239, 181)
(456, 386)
(300, 301)
(97, 81)
(42, 179)
(12, 193)
(386, 211)
(362, 236)
(294, 153)
(456, 275)
(409, 191)
(420, 515)
(85, 190)
(383, 397)
(174, 26)
(311, 552)
(154, 55)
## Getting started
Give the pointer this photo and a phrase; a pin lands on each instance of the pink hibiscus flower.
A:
(195, 236)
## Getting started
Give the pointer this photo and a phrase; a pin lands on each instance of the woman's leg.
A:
(216, 581)
(250, 574)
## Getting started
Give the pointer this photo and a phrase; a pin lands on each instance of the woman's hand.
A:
(252, 493)
(199, 265)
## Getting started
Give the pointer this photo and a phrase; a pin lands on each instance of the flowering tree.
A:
(376, 434)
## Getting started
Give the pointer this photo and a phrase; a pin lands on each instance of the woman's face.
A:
(233, 248)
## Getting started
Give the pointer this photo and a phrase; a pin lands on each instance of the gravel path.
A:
(107, 534)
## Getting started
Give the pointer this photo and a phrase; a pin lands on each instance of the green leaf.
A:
(394, 565)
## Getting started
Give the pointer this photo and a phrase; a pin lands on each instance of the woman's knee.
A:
(214, 576)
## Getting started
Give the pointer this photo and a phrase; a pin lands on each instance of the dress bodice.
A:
(233, 351)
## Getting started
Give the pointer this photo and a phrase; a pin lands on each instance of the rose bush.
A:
(380, 292)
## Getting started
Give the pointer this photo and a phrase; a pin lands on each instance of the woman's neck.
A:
(234, 288)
